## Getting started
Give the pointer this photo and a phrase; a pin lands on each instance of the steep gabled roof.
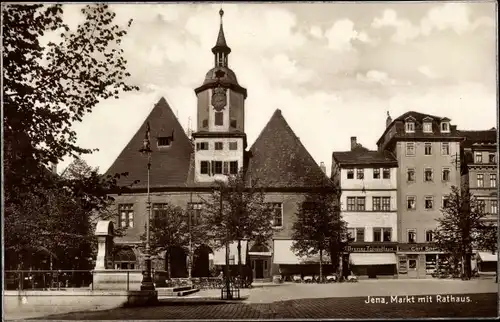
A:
(277, 159)
(169, 165)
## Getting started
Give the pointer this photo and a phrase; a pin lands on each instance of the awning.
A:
(372, 259)
(220, 254)
(283, 254)
(124, 255)
(487, 257)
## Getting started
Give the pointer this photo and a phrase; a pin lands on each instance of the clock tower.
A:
(220, 139)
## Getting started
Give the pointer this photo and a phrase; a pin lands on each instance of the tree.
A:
(462, 228)
(244, 214)
(319, 228)
(45, 90)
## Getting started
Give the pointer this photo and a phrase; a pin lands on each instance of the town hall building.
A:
(183, 171)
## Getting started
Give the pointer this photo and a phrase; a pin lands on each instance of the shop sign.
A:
(371, 248)
(421, 247)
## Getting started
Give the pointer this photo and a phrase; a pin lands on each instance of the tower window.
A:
(202, 146)
(204, 167)
(219, 118)
(219, 145)
(164, 141)
(204, 123)
(234, 123)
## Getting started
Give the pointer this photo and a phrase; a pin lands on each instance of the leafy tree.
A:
(45, 90)
(319, 228)
(244, 214)
(462, 228)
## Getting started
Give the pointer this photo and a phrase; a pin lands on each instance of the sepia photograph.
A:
(250, 160)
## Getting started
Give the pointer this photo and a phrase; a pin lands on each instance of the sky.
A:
(333, 69)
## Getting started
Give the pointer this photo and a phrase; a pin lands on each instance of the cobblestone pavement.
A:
(477, 305)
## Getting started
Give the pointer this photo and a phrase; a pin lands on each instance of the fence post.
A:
(128, 280)
(92, 283)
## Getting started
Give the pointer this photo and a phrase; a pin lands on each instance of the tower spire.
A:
(221, 49)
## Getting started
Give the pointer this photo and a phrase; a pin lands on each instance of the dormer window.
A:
(427, 127)
(410, 127)
(445, 127)
(164, 141)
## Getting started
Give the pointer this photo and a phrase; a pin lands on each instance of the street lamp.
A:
(147, 281)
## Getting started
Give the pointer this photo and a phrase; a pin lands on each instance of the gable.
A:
(278, 159)
(169, 165)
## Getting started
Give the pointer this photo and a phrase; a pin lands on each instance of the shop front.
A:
(419, 260)
(371, 260)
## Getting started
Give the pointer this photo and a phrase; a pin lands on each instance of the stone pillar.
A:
(105, 235)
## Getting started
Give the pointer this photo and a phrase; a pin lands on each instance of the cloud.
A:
(375, 76)
(341, 35)
(404, 28)
(425, 70)
(316, 32)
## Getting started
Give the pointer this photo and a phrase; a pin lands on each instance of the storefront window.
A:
(412, 264)
(403, 269)
(430, 263)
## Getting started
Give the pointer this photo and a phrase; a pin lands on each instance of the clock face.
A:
(219, 99)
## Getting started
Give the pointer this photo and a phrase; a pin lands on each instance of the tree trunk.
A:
(321, 265)
(467, 266)
(167, 256)
(240, 266)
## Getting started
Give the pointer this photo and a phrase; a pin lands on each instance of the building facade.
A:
(427, 149)
(183, 171)
(480, 175)
(368, 181)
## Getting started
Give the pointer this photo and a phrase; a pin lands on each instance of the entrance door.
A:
(259, 268)
(413, 267)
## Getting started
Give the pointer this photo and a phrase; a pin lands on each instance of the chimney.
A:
(323, 167)
(388, 121)
(354, 144)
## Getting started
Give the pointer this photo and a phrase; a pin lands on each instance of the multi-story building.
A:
(183, 174)
(427, 149)
(480, 175)
(369, 205)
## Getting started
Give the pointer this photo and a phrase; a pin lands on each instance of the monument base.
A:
(111, 279)
(142, 298)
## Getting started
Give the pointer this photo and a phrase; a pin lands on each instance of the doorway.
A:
(412, 267)
(259, 268)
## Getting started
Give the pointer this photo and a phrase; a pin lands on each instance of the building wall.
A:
(203, 109)
(422, 219)
(370, 220)
(368, 181)
(237, 110)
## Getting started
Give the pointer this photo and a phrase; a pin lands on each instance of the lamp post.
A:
(147, 281)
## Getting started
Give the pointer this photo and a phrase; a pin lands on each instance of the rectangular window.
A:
(386, 173)
(164, 141)
(479, 157)
(233, 167)
(159, 210)
(204, 165)
(360, 174)
(445, 175)
(204, 123)
(387, 234)
(410, 127)
(428, 175)
(233, 145)
(219, 118)
(350, 174)
(376, 173)
(429, 202)
(386, 203)
(410, 175)
(377, 234)
(351, 232)
(233, 123)
(445, 148)
(446, 201)
(351, 203)
(360, 234)
(217, 167)
(377, 203)
(225, 167)
(195, 209)
(430, 263)
(481, 205)
(445, 127)
(412, 235)
(491, 158)
(202, 146)
(493, 180)
(494, 206)
(480, 180)
(428, 236)
(277, 210)
(410, 148)
(126, 215)
(360, 203)
(427, 127)
(411, 203)
(428, 148)
(219, 145)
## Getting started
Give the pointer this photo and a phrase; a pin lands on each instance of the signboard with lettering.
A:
(371, 248)
(418, 247)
